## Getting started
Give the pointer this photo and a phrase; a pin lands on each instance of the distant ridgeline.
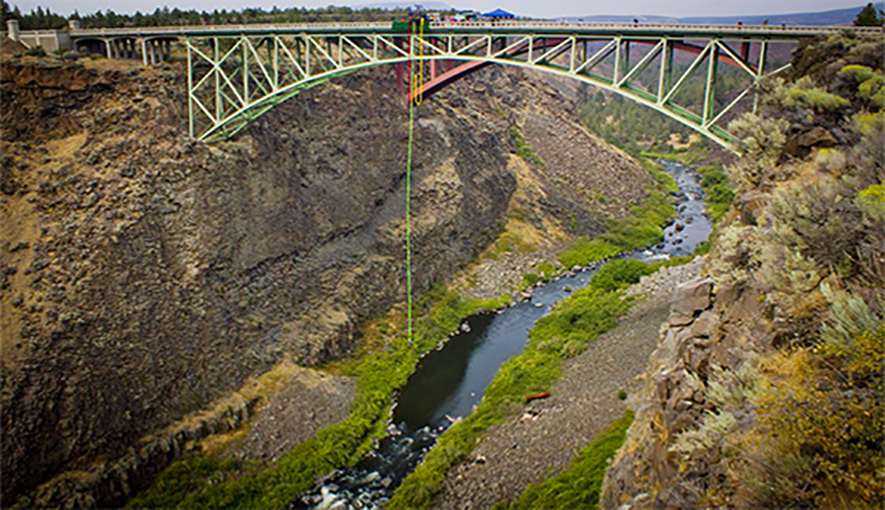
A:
(39, 18)
(834, 17)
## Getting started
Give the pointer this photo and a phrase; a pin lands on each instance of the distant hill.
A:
(835, 17)
(614, 18)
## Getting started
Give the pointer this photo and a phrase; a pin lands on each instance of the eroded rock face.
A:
(149, 274)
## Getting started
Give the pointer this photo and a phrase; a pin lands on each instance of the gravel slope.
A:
(312, 401)
(584, 402)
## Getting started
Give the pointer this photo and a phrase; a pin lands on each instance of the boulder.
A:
(688, 298)
(751, 205)
(817, 137)
(705, 325)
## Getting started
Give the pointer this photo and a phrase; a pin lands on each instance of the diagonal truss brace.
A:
(234, 79)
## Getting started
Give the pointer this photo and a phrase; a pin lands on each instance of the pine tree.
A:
(5, 14)
(867, 17)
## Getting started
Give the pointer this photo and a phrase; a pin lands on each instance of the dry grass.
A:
(257, 388)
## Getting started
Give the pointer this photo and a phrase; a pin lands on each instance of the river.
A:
(448, 382)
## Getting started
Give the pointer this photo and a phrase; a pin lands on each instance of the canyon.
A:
(147, 276)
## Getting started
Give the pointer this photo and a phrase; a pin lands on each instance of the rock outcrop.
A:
(148, 274)
(706, 332)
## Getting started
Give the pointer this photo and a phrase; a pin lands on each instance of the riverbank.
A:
(529, 446)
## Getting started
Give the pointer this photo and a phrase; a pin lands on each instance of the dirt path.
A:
(583, 403)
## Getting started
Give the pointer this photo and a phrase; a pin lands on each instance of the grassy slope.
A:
(718, 191)
(641, 228)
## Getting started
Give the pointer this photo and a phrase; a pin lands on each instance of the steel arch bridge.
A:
(237, 73)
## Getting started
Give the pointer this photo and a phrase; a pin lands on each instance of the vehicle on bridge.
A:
(434, 18)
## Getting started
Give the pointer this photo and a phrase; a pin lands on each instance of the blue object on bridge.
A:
(500, 14)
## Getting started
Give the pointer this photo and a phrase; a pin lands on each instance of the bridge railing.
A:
(386, 26)
(186, 30)
(662, 27)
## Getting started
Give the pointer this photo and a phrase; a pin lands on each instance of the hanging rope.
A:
(415, 97)
(409, 189)
(409, 212)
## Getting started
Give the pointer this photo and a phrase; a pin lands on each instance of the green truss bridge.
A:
(700, 76)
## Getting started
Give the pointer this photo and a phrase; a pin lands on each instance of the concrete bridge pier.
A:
(115, 48)
(13, 30)
(154, 51)
(130, 48)
(149, 50)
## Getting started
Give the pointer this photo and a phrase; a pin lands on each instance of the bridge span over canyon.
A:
(235, 73)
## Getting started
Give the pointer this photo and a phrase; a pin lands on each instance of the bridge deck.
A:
(480, 27)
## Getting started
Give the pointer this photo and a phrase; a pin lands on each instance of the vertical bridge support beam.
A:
(760, 72)
(710, 88)
(666, 74)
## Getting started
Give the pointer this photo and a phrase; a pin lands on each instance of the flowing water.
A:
(449, 382)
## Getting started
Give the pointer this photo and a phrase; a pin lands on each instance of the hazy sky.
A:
(542, 8)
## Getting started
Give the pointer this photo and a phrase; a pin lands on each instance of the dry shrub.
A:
(870, 85)
(739, 250)
(871, 252)
(816, 218)
(832, 161)
(803, 93)
(786, 271)
(727, 391)
(866, 181)
(801, 319)
(818, 438)
(761, 140)
(867, 157)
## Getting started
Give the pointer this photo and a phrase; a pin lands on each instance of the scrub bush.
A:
(620, 273)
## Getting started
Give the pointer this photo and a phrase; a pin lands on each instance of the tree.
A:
(867, 17)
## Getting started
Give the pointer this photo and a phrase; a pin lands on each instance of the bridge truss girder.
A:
(235, 79)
